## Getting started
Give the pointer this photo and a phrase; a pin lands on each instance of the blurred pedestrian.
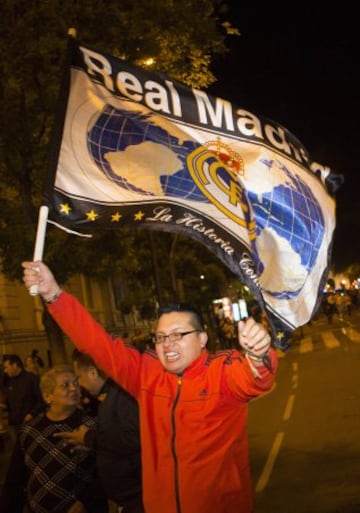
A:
(193, 405)
(37, 358)
(45, 476)
(116, 437)
(31, 365)
(348, 304)
(330, 307)
(3, 416)
(22, 392)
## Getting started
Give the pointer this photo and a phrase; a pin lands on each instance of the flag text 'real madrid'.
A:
(193, 106)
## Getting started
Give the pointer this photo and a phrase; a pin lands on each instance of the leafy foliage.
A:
(181, 38)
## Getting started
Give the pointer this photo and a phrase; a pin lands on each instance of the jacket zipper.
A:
(176, 476)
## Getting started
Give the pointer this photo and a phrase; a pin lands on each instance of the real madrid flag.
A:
(139, 149)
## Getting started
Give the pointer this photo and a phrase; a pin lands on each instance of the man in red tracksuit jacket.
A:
(193, 405)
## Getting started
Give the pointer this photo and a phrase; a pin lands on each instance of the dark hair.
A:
(186, 308)
(37, 358)
(13, 358)
(84, 361)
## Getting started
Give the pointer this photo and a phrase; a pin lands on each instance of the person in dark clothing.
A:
(116, 438)
(37, 358)
(44, 476)
(22, 393)
(3, 415)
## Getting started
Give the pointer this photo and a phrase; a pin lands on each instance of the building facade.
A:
(21, 315)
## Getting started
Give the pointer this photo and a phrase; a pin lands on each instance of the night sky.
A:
(299, 68)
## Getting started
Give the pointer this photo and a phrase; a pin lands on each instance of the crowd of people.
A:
(166, 429)
(44, 475)
(337, 304)
(49, 419)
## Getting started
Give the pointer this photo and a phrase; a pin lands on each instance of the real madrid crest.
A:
(216, 169)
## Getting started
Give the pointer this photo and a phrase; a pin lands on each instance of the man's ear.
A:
(203, 339)
(93, 372)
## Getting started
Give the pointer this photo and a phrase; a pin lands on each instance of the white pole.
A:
(40, 240)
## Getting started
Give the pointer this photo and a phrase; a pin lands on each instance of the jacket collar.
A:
(196, 367)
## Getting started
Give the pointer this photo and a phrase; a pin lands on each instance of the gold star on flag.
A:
(115, 218)
(138, 216)
(280, 335)
(65, 208)
(92, 215)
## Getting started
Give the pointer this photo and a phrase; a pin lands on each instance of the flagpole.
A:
(40, 240)
(53, 159)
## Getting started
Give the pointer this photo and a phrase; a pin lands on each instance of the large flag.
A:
(139, 149)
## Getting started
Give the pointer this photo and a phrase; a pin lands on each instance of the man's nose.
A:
(167, 342)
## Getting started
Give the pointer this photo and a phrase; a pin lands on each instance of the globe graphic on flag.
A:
(117, 131)
(289, 218)
(293, 217)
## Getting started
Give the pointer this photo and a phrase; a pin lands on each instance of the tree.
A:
(180, 37)
(32, 48)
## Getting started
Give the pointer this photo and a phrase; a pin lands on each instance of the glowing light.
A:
(149, 61)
